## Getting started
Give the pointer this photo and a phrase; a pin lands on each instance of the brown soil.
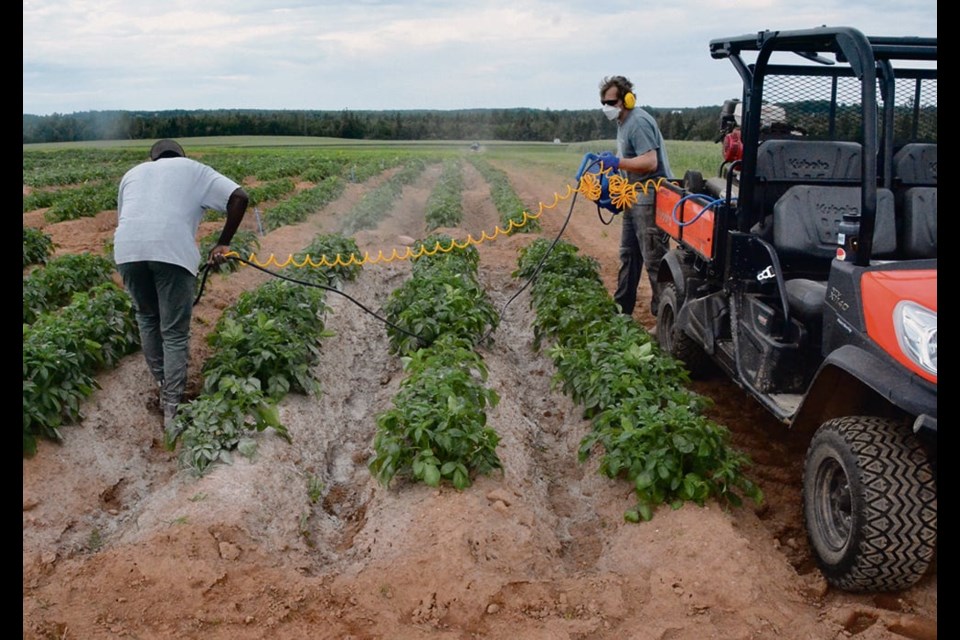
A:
(119, 542)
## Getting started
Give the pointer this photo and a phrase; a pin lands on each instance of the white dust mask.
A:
(610, 111)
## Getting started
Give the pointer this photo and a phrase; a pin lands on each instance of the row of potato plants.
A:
(505, 199)
(62, 352)
(37, 246)
(445, 204)
(264, 347)
(649, 426)
(437, 428)
(374, 205)
(64, 167)
(71, 184)
(53, 284)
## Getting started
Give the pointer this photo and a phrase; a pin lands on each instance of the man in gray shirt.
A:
(159, 208)
(642, 157)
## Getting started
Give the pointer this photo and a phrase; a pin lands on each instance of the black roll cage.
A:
(866, 58)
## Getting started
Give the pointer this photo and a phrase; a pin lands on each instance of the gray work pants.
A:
(163, 300)
(642, 244)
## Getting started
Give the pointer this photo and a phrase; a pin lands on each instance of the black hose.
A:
(206, 269)
(530, 280)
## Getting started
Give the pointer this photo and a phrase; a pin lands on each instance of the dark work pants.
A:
(163, 300)
(641, 245)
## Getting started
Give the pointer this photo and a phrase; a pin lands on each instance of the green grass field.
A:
(684, 155)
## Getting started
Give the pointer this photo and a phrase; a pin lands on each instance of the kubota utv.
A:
(806, 271)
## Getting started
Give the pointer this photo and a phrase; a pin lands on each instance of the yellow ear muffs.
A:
(629, 100)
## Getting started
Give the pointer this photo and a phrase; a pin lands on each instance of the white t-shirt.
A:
(159, 208)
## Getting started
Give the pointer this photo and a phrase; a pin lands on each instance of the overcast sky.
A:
(133, 55)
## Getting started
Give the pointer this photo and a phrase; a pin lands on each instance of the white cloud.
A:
(372, 54)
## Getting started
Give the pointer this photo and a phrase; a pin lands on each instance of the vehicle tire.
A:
(673, 340)
(869, 504)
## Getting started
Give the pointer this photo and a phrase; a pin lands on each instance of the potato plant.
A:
(443, 297)
(84, 201)
(299, 206)
(445, 205)
(37, 246)
(337, 258)
(63, 351)
(265, 346)
(437, 429)
(52, 285)
(648, 425)
(370, 209)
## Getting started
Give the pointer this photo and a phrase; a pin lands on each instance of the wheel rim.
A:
(834, 505)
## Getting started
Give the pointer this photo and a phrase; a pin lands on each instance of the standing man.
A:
(641, 157)
(159, 208)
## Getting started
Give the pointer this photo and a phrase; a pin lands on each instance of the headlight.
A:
(916, 328)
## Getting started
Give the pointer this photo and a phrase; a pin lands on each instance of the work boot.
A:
(171, 431)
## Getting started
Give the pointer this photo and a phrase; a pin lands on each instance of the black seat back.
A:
(785, 163)
(915, 186)
(806, 220)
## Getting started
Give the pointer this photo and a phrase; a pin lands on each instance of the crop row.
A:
(264, 347)
(445, 204)
(63, 351)
(373, 206)
(505, 199)
(649, 427)
(52, 285)
(72, 184)
(437, 428)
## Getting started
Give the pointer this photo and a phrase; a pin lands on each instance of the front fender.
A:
(853, 381)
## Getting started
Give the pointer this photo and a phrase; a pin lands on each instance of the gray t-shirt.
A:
(159, 208)
(638, 134)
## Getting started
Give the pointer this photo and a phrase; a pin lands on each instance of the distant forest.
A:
(521, 125)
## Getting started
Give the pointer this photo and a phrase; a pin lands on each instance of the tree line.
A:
(520, 125)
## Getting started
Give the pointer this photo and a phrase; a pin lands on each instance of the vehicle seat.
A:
(915, 184)
(785, 163)
(807, 217)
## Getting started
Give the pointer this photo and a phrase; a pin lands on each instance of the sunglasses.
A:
(609, 103)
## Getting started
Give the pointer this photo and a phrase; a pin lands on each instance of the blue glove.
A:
(609, 161)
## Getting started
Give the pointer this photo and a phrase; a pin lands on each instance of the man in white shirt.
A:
(159, 208)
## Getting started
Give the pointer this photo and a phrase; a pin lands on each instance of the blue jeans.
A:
(163, 300)
(642, 244)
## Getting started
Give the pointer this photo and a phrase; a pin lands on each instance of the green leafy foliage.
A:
(437, 429)
(505, 198)
(269, 334)
(265, 347)
(370, 209)
(219, 422)
(648, 425)
(442, 298)
(63, 351)
(445, 205)
(37, 246)
(298, 207)
(84, 201)
(52, 285)
(273, 190)
(332, 248)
